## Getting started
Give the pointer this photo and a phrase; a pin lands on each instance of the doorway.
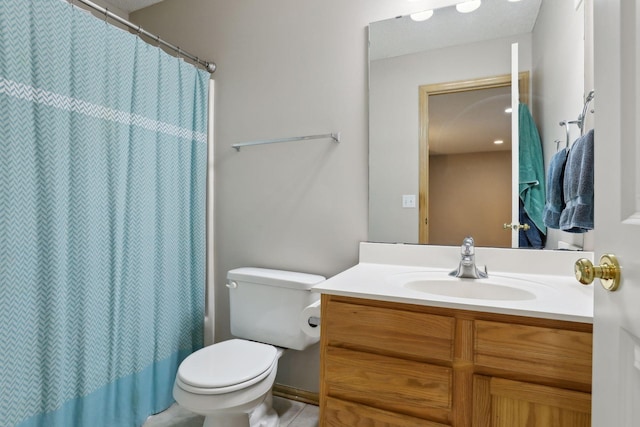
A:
(464, 188)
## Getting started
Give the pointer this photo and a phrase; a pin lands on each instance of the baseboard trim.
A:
(296, 394)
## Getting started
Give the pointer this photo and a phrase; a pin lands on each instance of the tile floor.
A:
(292, 414)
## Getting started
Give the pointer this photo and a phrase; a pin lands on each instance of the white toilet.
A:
(230, 382)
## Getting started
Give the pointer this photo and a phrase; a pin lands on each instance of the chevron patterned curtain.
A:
(102, 217)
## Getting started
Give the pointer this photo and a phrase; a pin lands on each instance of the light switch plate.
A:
(408, 200)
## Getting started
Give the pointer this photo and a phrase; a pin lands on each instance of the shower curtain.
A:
(102, 218)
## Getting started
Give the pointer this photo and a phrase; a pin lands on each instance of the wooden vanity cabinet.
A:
(394, 364)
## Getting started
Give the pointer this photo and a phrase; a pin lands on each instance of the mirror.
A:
(448, 48)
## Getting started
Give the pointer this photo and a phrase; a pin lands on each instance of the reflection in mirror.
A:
(463, 47)
(465, 167)
(466, 160)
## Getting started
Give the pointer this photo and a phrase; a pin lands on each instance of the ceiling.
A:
(131, 5)
(469, 122)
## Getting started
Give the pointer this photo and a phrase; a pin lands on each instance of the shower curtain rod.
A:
(209, 66)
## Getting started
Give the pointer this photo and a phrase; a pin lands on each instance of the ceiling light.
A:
(498, 142)
(468, 6)
(422, 16)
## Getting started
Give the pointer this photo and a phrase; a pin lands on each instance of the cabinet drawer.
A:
(555, 353)
(338, 413)
(404, 386)
(392, 332)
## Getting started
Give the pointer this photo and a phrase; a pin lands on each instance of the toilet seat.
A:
(226, 367)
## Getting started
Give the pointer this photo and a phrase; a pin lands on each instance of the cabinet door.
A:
(504, 403)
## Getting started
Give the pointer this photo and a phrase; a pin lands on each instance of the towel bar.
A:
(334, 136)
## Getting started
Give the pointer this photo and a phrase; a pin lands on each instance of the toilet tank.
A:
(265, 305)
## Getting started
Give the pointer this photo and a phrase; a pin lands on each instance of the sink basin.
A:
(470, 289)
(494, 288)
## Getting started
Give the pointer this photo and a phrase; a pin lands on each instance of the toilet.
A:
(230, 382)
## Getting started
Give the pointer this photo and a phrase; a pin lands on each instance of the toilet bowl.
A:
(230, 382)
(227, 381)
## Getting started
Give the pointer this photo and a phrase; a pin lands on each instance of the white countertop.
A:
(561, 296)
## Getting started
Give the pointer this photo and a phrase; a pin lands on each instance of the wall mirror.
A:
(450, 50)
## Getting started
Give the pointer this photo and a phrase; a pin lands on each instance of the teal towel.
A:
(531, 188)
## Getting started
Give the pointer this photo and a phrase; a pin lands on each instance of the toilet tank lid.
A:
(280, 278)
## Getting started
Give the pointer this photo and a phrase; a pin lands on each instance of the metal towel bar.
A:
(334, 136)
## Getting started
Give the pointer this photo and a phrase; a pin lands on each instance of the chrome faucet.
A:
(467, 267)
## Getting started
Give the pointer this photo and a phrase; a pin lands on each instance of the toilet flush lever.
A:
(232, 284)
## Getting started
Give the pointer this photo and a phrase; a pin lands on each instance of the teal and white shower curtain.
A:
(102, 219)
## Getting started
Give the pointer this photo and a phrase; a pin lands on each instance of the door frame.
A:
(425, 91)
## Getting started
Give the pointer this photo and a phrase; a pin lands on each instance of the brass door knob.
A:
(516, 226)
(608, 272)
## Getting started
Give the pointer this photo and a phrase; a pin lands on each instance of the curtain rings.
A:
(106, 15)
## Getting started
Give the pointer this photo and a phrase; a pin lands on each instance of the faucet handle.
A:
(468, 246)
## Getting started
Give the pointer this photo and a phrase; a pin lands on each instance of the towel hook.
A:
(585, 109)
(566, 128)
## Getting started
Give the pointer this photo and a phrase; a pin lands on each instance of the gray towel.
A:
(555, 195)
(577, 216)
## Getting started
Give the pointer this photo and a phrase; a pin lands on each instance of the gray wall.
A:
(285, 68)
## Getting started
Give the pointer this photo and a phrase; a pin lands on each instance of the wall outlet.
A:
(408, 200)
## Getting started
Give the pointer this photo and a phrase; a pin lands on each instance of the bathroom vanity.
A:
(393, 355)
